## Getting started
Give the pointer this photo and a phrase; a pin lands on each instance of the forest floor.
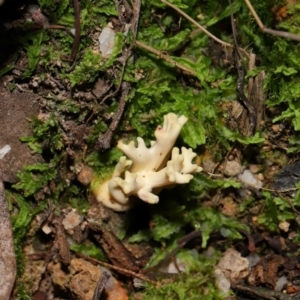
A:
(67, 99)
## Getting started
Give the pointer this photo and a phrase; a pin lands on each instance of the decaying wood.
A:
(60, 243)
(7, 253)
(101, 285)
(238, 61)
(256, 92)
(112, 246)
(256, 96)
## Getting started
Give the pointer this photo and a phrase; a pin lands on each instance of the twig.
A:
(251, 242)
(76, 41)
(77, 31)
(262, 293)
(112, 267)
(7, 252)
(260, 24)
(101, 285)
(187, 238)
(201, 27)
(120, 83)
(169, 256)
(105, 140)
(134, 29)
(269, 190)
(166, 58)
(136, 17)
(238, 59)
(290, 203)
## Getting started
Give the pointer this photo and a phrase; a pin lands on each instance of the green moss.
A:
(198, 279)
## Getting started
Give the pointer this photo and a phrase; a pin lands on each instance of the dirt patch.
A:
(16, 109)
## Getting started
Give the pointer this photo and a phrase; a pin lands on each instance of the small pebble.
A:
(85, 176)
(233, 168)
(276, 128)
(260, 176)
(254, 168)
(107, 41)
(71, 220)
(284, 226)
(248, 178)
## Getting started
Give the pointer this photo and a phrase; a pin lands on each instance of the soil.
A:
(17, 109)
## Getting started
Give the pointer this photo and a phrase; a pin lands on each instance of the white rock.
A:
(284, 226)
(71, 220)
(233, 168)
(107, 41)
(248, 178)
(4, 151)
(221, 281)
(254, 169)
(46, 228)
(281, 282)
(233, 265)
(253, 259)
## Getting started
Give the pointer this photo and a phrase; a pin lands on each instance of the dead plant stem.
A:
(166, 58)
(112, 267)
(224, 44)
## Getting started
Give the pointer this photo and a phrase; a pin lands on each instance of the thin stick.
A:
(196, 24)
(201, 27)
(262, 27)
(109, 266)
(283, 34)
(166, 58)
(105, 140)
(77, 31)
(256, 17)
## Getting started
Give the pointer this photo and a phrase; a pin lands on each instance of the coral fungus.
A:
(148, 170)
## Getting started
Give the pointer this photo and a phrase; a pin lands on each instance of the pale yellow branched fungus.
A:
(148, 170)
